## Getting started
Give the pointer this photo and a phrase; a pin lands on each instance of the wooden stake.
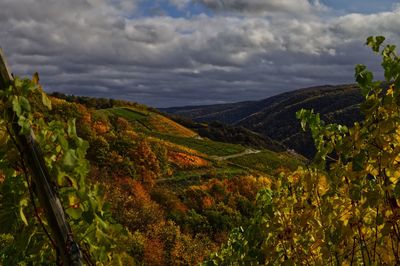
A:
(67, 249)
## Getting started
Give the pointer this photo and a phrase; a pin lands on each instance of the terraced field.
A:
(224, 160)
(269, 162)
(152, 122)
(203, 145)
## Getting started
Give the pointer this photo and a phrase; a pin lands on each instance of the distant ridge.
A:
(275, 117)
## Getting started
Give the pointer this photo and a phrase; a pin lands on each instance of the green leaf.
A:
(364, 79)
(397, 189)
(16, 106)
(358, 162)
(355, 193)
(71, 127)
(74, 213)
(25, 125)
(63, 142)
(20, 104)
(18, 82)
(24, 103)
(46, 101)
(69, 158)
(375, 42)
(88, 216)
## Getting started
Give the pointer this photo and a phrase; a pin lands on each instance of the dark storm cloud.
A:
(101, 48)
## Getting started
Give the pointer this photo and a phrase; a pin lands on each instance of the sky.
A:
(192, 52)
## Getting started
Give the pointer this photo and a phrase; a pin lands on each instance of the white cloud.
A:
(359, 25)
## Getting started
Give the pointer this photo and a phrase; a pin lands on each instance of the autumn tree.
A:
(147, 165)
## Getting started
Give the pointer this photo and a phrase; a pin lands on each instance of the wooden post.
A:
(67, 249)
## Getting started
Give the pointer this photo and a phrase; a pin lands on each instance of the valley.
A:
(275, 117)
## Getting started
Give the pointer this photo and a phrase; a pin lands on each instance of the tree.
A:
(147, 164)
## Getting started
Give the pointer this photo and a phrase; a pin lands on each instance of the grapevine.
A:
(344, 207)
(25, 229)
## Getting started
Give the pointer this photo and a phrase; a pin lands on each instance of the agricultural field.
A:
(268, 162)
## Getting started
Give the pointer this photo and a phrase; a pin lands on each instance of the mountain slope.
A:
(275, 117)
(230, 134)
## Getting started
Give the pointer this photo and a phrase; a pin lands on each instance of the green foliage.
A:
(64, 154)
(268, 162)
(203, 145)
(344, 208)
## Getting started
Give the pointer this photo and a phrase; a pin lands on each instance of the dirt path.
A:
(223, 158)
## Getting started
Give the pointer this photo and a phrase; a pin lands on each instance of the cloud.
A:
(105, 48)
(359, 25)
(180, 4)
(299, 7)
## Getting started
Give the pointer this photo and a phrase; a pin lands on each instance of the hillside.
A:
(218, 131)
(172, 189)
(275, 118)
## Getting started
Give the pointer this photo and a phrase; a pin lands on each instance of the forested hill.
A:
(176, 194)
(275, 117)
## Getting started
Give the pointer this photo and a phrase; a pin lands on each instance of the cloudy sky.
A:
(190, 52)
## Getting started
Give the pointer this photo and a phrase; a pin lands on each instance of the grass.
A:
(268, 162)
(129, 114)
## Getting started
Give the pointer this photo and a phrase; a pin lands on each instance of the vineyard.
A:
(101, 182)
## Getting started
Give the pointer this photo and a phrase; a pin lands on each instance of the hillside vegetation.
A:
(177, 195)
(275, 117)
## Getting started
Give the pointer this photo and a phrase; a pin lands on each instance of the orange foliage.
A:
(176, 147)
(140, 192)
(134, 188)
(247, 186)
(165, 125)
(132, 205)
(147, 163)
(131, 134)
(115, 157)
(207, 202)
(185, 161)
(168, 200)
(153, 252)
(101, 127)
(122, 124)
(180, 207)
(86, 117)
